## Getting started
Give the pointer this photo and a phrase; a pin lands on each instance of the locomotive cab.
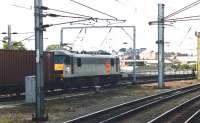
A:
(62, 66)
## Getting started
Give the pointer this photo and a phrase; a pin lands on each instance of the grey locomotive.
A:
(86, 69)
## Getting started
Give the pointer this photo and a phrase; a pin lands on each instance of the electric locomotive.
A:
(77, 70)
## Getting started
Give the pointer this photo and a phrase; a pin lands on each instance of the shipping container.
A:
(16, 64)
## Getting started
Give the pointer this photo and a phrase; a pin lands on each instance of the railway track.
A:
(187, 112)
(50, 95)
(124, 110)
(9, 97)
(153, 78)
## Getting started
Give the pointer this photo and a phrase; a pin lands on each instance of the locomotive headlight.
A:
(67, 69)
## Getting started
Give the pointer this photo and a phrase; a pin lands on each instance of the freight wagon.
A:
(15, 65)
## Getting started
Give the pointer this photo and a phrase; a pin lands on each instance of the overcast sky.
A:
(137, 12)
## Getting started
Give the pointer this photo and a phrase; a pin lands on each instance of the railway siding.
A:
(180, 113)
(153, 112)
(65, 109)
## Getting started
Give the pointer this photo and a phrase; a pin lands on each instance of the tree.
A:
(103, 52)
(122, 50)
(15, 45)
(193, 66)
(52, 47)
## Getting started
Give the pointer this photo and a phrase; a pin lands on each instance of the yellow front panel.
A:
(58, 67)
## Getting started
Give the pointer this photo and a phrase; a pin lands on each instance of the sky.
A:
(179, 36)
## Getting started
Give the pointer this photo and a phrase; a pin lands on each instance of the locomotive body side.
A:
(85, 68)
(88, 65)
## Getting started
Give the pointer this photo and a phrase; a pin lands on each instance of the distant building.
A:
(151, 57)
(128, 53)
(147, 54)
(187, 59)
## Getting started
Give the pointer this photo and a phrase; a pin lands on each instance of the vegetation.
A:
(102, 52)
(194, 66)
(56, 46)
(12, 118)
(122, 50)
(184, 67)
(15, 45)
(52, 47)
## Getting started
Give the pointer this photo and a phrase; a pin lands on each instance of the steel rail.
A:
(152, 78)
(114, 113)
(195, 118)
(165, 117)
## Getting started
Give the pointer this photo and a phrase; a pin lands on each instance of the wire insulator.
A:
(53, 15)
(44, 8)
(47, 25)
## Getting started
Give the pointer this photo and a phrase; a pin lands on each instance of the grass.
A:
(14, 118)
(6, 119)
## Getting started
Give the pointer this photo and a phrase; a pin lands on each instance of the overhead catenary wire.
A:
(106, 37)
(69, 22)
(78, 35)
(24, 32)
(173, 20)
(183, 9)
(23, 7)
(57, 10)
(63, 16)
(185, 36)
(127, 33)
(191, 19)
(81, 20)
(94, 9)
(167, 18)
(187, 17)
(23, 39)
(17, 32)
(89, 24)
(78, 17)
(26, 38)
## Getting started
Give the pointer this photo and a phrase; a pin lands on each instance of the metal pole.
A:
(39, 111)
(9, 37)
(134, 53)
(61, 38)
(198, 55)
(161, 46)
